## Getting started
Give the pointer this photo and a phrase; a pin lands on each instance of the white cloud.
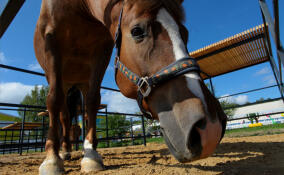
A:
(35, 67)
(118, 103)
(269, 80)
(13, 92)
(263, 71)
(2, 58)
(266, 76)
(241, 99)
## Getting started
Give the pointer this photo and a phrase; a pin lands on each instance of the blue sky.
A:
(207, 22)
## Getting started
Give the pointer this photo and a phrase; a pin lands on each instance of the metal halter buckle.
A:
(143, 84)
(116, 62)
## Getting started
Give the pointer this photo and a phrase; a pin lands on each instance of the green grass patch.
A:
(155, 140)
(9, 118)
(9, 134)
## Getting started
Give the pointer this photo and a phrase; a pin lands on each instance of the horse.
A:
(73, 43)
(74, 106)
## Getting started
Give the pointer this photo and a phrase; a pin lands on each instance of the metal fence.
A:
(26, 140)
(19, 140)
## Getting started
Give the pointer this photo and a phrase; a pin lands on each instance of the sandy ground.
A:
(258, 155)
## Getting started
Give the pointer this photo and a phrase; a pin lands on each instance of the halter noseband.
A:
(146, 84)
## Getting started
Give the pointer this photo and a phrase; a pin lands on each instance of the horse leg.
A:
(92, 161)
(66, 124)
(53, 164)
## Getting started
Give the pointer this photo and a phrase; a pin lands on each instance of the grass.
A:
(6, 117)
(256, 131)
(155, 140)
(16, 135)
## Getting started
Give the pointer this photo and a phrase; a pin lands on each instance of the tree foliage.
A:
(37, 97)
(252, 117)
(118, 125)
(229, 108)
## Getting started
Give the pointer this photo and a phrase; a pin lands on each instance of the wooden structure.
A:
(237, 52)
(27, 126)
(240, 51)
(45, 114)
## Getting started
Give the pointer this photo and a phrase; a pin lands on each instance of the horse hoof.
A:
(65, 155)
(52, 166)
(92, 162)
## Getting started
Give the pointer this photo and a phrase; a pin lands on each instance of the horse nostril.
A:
(201, 124)
(194, 141)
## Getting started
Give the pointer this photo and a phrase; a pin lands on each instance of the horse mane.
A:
(172, 6)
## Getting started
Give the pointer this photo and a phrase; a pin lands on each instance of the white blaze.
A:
(173, 30)
(179, 50)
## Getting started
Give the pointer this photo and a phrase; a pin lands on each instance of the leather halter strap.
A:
(146, 84)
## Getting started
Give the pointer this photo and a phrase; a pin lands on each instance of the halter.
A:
(146, 84)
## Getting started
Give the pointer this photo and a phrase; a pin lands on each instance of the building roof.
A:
(237, 52)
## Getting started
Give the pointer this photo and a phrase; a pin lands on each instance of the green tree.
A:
(229, 108)
(118, 125)
(260, 100)
(253, 116)
(37, 97)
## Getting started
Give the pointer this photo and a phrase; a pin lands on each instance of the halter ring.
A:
(143, 84)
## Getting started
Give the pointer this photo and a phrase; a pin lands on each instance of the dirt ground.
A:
(258, 155)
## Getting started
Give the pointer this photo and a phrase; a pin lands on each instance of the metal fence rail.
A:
(26, 140)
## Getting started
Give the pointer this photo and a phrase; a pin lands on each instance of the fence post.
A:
(22, 131)
(107, 128)
(42, 134)
(144, 133)
(212, 87)
(11, 141)
(36, 136)
(131, 124)
(28, 141)
(5, 139)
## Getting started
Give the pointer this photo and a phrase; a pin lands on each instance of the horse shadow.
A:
(244, 158)
(241, 158)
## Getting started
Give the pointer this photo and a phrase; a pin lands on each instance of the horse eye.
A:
(137, 32)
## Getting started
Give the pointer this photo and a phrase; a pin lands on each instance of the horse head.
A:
(153, 66)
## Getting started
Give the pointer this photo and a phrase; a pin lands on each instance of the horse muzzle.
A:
(190, 138)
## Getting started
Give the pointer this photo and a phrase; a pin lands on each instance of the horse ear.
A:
(180, 1)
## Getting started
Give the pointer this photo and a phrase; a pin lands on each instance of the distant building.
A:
(267, 107)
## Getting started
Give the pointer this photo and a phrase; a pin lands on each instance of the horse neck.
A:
(105, 11)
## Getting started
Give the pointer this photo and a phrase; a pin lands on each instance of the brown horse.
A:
(73, 42)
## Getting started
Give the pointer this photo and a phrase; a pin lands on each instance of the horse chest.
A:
(84, 40)
(81, 46)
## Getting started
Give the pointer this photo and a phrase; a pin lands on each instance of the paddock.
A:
(255, 155)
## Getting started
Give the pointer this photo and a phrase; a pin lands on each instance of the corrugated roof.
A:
(239, 51)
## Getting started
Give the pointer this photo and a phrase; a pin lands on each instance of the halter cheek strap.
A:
(146, 84)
